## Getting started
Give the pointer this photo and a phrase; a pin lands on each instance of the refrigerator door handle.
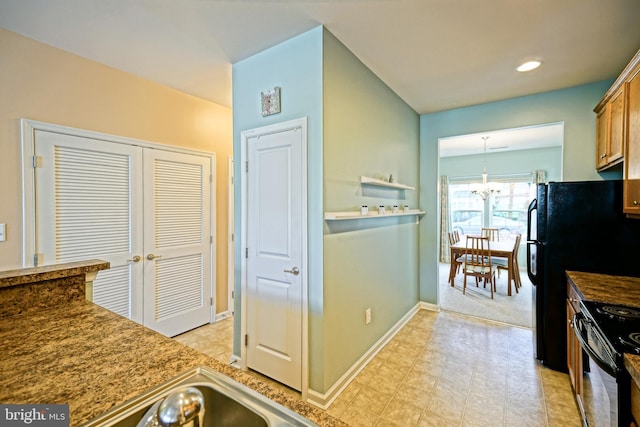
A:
(531, 268)
(532, 208)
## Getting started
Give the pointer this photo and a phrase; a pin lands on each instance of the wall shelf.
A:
(338, 216)
(381, 183)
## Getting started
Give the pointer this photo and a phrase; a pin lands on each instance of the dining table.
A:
(504, 248)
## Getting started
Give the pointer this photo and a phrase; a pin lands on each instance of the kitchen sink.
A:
(226, 403)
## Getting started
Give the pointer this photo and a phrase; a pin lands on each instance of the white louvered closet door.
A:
(88, 205)
(178, 240)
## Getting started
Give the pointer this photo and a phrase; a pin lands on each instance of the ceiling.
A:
(435, 54)
(524, 138)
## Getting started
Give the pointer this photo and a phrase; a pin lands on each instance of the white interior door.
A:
(178, 241)
(146, 211)
(89, 205)
(275, 221)
(230, 238)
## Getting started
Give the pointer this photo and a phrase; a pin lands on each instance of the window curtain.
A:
(445, 214)
(539, 176)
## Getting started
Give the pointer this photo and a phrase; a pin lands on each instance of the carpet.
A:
(514, 310)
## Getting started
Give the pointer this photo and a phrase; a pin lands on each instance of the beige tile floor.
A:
(441, 369)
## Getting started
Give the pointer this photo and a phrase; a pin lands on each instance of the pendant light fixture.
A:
(485, 189)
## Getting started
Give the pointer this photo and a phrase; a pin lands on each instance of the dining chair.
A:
(456, 235)
(477, 262)
(491, 233)
(502, 263)
(455, 264)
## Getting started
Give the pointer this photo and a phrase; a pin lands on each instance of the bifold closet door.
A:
(178, 241)
(88, 205)
(146, 211)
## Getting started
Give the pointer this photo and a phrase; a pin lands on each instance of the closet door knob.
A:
(151, 257)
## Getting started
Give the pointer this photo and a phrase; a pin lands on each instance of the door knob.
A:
(136, 258)
(293, 271)
(151, 257)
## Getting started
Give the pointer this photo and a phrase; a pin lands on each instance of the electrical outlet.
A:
(3, 232)
(367, 316)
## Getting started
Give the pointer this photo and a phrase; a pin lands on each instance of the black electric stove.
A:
(619, 325)
(606, 332)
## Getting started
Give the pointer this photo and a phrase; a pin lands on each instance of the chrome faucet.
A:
(183, 407)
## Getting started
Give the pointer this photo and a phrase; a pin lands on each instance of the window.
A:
(467, 209)
(509, 208)
(506, 210)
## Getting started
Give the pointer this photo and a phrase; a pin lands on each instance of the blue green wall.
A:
(357, 126)
(572, 106)
(372, 263)
(295, 66)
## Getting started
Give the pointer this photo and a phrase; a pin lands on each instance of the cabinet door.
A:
(616, 127)
(572, 350)
(632, 147)
(574, 355)
(602, 133)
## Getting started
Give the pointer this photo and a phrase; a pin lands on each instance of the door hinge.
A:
(211, 301)
(211, 178)
(246, 339)
(37, 259)
(233, 294)
(246, 252)
(233, 237)
(211, 239)
(246, 166)
(37, 162)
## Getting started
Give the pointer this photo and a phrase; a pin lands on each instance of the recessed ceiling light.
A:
(528, 66)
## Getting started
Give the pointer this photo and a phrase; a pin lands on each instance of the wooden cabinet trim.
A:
(631, 172)
(635, 61)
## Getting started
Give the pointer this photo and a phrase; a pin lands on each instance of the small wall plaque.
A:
(270, 101)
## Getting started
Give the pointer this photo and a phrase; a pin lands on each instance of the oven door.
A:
(602, 379)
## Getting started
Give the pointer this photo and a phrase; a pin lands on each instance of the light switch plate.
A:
(3, 232)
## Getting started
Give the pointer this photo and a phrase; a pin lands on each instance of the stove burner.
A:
(632, 341)
(619, 312)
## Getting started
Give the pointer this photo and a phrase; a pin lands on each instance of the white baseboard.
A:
(325, 400)
(236, 361)
(428, 306)
(223, 315)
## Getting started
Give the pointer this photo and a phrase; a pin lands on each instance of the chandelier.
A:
(485, 189)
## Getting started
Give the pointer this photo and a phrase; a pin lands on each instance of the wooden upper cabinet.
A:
(610, 131)
(602, 130)
(631, 198)
(616, 130)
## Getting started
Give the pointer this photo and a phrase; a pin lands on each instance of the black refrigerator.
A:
(574, 226)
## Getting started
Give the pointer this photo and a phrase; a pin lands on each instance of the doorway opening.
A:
(515, 160)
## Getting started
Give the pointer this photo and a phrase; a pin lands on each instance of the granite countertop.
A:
(93, 359)
(59, 348)
(597, 287)
(615, 290)
(25, 276)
